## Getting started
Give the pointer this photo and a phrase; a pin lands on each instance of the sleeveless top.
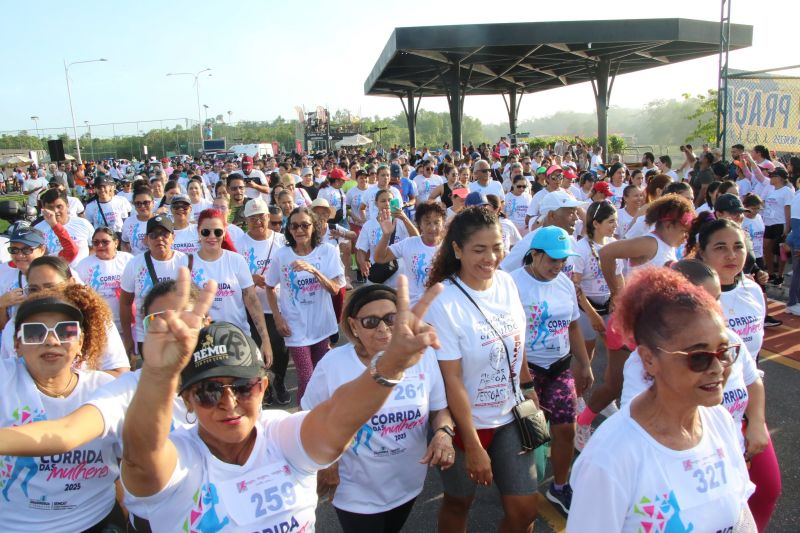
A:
(447, 195)
(664, 254)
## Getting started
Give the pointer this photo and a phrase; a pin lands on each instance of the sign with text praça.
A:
(764, 110)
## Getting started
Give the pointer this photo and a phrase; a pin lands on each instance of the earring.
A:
(190, 422)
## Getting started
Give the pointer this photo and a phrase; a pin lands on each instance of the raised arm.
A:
(53, 437)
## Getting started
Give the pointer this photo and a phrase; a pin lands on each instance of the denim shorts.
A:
(514, 474)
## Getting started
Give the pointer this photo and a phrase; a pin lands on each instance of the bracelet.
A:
(528, 385)
(448, 430)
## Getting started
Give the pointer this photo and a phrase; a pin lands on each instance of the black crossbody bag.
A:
(529, 419)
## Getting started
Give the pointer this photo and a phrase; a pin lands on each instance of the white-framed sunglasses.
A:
(34, 333)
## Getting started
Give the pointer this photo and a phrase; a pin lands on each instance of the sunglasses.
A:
(217, 232)
(294, 226)
(143, 204)
(96, 243)
(209, 393)
(13, 250)
(520, 187)
(700, 361)
(276, 223)
(372, 322)
(180, 207)
(36, 332)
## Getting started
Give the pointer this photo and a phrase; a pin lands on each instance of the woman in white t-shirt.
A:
(632, 201)
(553, 341)
(186, 236)
(134, 229)
(197, 200)
(617, 184)
(236, 293)
(673, 452)
(103, 270)
(777, 219)
(393, 443)
(517, 202)
(388, 219)
(56, 331)
(241, 469)
(308, 273)
(480, 322)
(511, 236)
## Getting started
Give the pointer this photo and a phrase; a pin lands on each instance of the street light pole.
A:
(35, 120)
(71, 109)
(196, 77)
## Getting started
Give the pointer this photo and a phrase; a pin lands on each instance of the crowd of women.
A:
(480, 284)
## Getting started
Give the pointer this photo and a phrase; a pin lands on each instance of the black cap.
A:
(48, 304)
(729, 203)
(159, 221)
(99, 181)
(780, 172)
(223, 350)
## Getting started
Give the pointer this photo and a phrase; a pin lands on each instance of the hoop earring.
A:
(190, 422)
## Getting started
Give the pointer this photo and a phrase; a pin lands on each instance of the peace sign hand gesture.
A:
(172, 335)
(411, 336)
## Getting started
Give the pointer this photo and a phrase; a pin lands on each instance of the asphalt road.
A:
(782, 379)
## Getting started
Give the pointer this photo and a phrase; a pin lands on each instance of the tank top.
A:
(664, 254)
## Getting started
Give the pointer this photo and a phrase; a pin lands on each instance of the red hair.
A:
(205, 214)
(655, 304)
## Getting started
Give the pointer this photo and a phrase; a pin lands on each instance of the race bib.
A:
(266, 492)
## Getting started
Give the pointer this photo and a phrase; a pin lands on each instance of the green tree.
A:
(704, 116)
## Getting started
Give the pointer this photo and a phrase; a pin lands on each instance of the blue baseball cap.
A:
(476, 198)
(27, 235)
(395, 171)
(553, 241)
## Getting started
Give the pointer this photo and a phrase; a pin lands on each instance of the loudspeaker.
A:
(56, 149)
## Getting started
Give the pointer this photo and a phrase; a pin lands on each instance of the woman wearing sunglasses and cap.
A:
(56, 331)
(393, 443)
(242, 469)
(673, 453)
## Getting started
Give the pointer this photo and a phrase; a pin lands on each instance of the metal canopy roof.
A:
(537, 56)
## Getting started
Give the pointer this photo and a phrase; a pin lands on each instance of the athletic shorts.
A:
(514, 474)
(589, 334)
(774, 231)
(557, 396)
(614, 340)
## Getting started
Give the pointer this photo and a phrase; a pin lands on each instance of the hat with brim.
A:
(47, 304)
(553, 241)
(460, 193)
(556, 200)
(28, 236)
(322, 202)
(729, 203)
(180, 199)
(223, 350)
(476, 199)
(159, 221)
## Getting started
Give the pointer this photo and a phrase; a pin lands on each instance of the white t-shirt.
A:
(624, 480)
(587, 264)
(32, 185)
(465, 334)
(232, 275)
(426, 185)
(734, 397)
(743, 308)
(133, 232)
(136, 280)
(235, 232)
(513, 259)
(624, 223)
(75, 206)
(493, 187)
(774, 204)
(417, 258)
(533, 207)
(618, 194)
(550, 307)
(371, 234)
(509, 232)
(199, 207)
(259, 178)
(755, 228)
(516, 209)
(672, 174)
(390, 445)
(337, 199)
(258, 255)
(113, 399)
(104, 277)
(353, 199)
(116, 211)
(11, 278)
(61, 493)
(186, 240)
(79, 230)
(368, 199)
(305, 305)
(275, 490)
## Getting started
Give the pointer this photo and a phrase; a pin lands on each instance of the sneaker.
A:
(771, 322)
(582, 436)
(793, 309)
(268, 397)
(610, 409)
(282, 396)
(777, 281)
(562, 499)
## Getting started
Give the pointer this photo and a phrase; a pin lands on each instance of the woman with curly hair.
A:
(57, 330)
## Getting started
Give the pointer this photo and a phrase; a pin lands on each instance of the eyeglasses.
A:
(180, 207)
(13, 250)
(276, 223)
(520, 187)
(372, 322)
(481, 170)
(158, 235)
(700, 360)
(36, 333)
(426, 169)
(106, 242)
(294, 226)
(149, 319)
(145, 203)
(236, 188)
(218, 232)
(209, 393)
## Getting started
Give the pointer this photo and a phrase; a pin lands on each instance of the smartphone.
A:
(331, 226)
(394, 205)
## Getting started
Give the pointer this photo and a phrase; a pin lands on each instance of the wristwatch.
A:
(448, 430)
(373, 371)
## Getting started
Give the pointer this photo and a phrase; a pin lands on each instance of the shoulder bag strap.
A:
(102, 214)
(150, 268)
(499, 337)
(191, 262)
(269, 253)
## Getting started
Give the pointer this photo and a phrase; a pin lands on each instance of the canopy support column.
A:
(602, 93)
(512, 107)
(411, 117)
(455, 99)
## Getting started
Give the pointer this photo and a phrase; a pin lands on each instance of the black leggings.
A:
(280, 355)
(391, 521)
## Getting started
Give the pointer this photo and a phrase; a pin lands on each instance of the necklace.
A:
(46, 391)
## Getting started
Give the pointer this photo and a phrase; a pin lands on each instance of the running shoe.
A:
(562, 499)
(281, 395)
(776, 280)
(582, 435)
(771, 322)
(793, 309)
(268, 397)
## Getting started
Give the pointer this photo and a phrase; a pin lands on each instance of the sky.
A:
(269, 56)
